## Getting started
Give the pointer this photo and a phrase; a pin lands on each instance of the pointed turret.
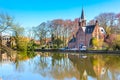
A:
(82, 21)
(82, 14)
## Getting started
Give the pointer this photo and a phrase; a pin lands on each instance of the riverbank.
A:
(78, 51)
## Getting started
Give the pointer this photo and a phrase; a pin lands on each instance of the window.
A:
(88, 30)
(102, 30)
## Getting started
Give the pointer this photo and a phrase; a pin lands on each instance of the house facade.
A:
(85, 33)
(5, 40)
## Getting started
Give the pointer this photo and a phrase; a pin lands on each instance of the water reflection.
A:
(59, 66)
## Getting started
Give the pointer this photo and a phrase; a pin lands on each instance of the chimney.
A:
(96, 22)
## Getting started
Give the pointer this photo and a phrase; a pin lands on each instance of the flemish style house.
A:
(5, 39)
(85, 33)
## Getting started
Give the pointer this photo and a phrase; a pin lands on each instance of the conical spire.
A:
(82, 14)
(82, 21)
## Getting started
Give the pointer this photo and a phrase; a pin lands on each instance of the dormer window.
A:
(102, 30)
(88, 30)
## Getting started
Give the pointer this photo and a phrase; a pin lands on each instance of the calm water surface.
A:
(60, 66)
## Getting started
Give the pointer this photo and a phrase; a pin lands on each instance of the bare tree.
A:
(106, 19)
(91, 22)
(41, 32)
(5, 21)
(118, 20)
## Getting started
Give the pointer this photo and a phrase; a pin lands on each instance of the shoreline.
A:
(78, 51)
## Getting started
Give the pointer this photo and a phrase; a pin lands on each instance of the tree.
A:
(31, 46)
(91, 22)
(106, 19)
(30, 33)
(17, 33)
(94, 42)
(58, 42)
(5, 21)
(116, 43)
(63, 29)
(118, 19)
(22, 44)
(108, 30)
(41, 32)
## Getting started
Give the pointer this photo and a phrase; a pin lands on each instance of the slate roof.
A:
(72, 40)
(89, 29)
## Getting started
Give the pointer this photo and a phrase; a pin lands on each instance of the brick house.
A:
(6, 40)
(85, 33)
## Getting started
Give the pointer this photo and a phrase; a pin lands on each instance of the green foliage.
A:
(58, 42)
(43, 48)
(97, 44)
(94, 42)
(23, 55)
(25, 45)
(57, 57)
(116, 43)
(52, 37)
(108, 30)
(31, 46)
(18, 32)
(31, 54)
(22, 45)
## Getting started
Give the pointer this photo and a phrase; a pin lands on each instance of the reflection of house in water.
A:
(4, 58)
(92, 67)
(83, 65)
(102, 69)
(5, 39)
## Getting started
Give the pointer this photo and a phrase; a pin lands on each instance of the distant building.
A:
(85, 33)
(6, 40)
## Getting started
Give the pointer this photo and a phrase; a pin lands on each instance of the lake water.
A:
(60, 66)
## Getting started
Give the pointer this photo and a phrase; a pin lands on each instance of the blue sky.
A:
(31, 13)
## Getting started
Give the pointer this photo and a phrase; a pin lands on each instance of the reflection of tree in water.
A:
(57, 58)
(20, 59)
(83, 65)
(61, 66)
(55, 65)
(113, 65)
(112, 61)
(101, 66)
(43, 64)
(105, 66)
